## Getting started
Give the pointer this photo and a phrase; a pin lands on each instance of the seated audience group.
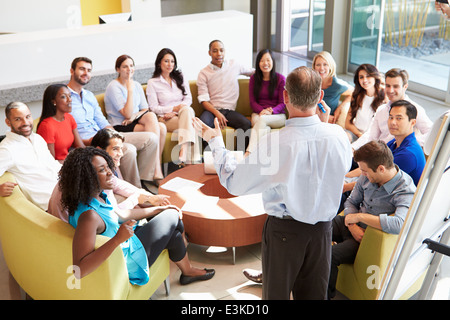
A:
(91, 171)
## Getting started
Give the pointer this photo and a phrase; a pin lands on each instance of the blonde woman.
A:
(332, 86)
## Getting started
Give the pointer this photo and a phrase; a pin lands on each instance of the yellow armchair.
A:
(362, 279)
(38, 251)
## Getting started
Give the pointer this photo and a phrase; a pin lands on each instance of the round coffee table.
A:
(232, 222)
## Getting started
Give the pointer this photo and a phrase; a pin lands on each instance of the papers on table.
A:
(203, 204)
(200, 203)
(251, 203)
(177, 184)
(196, 201)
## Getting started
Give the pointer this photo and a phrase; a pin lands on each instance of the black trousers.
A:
(343, 252)
(163, 231)
(236, 121)
(295, 258)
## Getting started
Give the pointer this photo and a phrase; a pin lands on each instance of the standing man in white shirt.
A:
(396, 86)
(218, 89)
(301, 195)
(25, 154)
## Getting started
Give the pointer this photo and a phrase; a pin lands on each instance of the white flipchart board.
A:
(428, 218)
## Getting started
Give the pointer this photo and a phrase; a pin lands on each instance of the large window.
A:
(403, 34)
(414, 39)
(302, 26)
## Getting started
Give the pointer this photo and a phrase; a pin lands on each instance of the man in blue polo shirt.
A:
(408, 154)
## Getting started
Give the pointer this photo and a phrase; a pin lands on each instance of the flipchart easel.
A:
(425, 235)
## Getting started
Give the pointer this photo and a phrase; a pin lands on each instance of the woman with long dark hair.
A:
(170, 98)
(86, 173)
(266, 98)
(56, 125)
(366, 98)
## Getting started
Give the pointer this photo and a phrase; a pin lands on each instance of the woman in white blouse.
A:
(366, 98)
(170, 98)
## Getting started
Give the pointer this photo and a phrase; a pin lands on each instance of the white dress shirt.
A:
(32, 164)
(299, 170)
(379, 129)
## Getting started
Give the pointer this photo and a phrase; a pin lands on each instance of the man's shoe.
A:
(149, 186)
(253, 275)
(188, 279)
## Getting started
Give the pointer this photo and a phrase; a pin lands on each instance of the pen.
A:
(322, 108)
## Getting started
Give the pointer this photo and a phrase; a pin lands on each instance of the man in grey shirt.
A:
(380, 199)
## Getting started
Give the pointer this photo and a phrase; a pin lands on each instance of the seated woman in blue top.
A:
(127, 108)
(332, 86)
(83, 177)
(266, 98)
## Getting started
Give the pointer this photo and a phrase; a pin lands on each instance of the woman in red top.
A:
(56, 125)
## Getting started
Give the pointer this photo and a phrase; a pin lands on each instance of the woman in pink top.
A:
(266, 98)
(170, 98)
(56, 125)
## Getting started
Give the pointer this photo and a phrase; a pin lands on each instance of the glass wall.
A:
(306, 27)
(364, 32)
(410, 35)
(318, 24)
(416, 38)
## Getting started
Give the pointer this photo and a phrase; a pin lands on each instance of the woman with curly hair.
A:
(56, 125)
(170, 98)
(366, 98)
(85, 175)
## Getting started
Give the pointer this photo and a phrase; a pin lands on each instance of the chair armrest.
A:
(373, 256)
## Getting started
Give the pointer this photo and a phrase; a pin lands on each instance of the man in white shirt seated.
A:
(218, 90)
(25, 154)
(396, 86)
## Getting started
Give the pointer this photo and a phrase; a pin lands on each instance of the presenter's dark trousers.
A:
(296, 258)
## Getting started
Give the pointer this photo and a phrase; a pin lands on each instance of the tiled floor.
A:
(229, 283)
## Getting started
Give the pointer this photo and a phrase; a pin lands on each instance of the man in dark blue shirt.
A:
(408, 154)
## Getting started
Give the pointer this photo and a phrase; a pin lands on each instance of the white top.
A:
(364, 114)
(220, 85)
(299, 170)
(32, 164)
(162, 96)
(115, 98)
(379, 129)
